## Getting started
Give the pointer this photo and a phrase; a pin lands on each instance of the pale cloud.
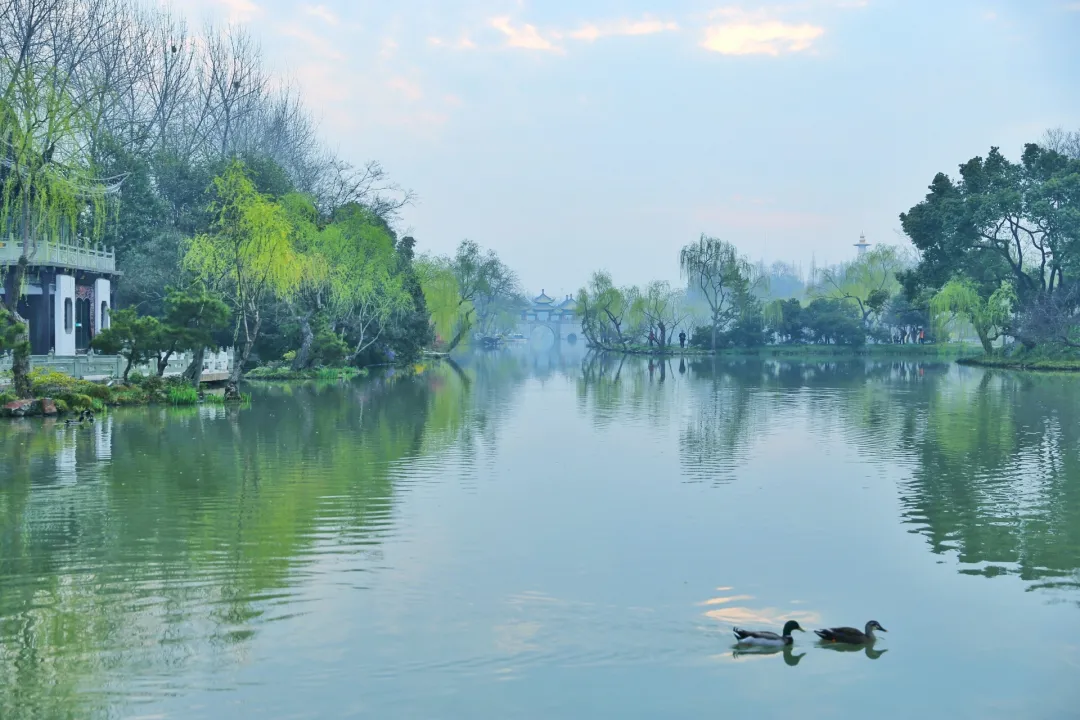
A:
(316, 44)
(453, 101)
(387, 48)
(741, 33)
(646, 26)
(322, 12)
(409, 89)
(462, 43)
(525, 37)
(240, 11)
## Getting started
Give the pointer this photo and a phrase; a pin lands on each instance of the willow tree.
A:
(48, 186)
(441, 295)
(868, 283)
(607, 312)
(367, 287)
(989, 316)
(312, 291)
(248, 256)
(721, 276)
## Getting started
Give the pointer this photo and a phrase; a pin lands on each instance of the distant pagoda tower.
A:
(862, 244)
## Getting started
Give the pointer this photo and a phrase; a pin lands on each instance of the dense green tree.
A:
(192, 319)
(134, 337)
(833, 322)
(1001, 221)
(408, 330)
(784, 318)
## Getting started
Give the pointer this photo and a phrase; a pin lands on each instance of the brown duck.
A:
(850, 635)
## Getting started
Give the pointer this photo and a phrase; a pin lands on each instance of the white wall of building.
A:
(102, 294)
(64, 316)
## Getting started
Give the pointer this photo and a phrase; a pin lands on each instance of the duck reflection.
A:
(840, 647)
(790, 658)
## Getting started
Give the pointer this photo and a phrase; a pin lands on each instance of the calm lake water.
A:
(539, 536)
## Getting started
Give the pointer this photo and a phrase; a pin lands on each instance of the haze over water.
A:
(552, 534)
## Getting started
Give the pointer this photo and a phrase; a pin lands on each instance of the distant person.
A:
(652, 337)
(922, 336)
(682, 339)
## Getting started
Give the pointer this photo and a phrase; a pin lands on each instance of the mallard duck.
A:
(765, 638)
(850, 635)
(84, 416)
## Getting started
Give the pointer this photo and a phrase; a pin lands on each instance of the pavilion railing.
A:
(64, 254)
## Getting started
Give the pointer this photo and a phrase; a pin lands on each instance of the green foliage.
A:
(12, 332)
(607, 311)
(1042, 357)
(7, 397)
(76, 402)
(279, 372)
(49, 383)
(193, 317)
(722, 278)
(408, 330)
(76, 394)
(1000, 222)
(784, 318)
(184, 395)
(441, 296)
(329, 349)
(248, 254)
(990, 316)
(135, 338)
(866, 283)
(833, 321)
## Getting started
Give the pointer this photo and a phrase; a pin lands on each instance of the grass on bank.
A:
(1037, 358)
(276, 371)
(72, 395)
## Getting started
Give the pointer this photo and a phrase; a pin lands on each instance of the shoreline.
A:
(272, 374)
(951, 352)
(55, 394)
(1023, 364)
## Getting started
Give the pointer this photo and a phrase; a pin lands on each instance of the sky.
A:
(576, 135)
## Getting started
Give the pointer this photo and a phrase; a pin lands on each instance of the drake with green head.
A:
(765, 638)
(850, 635)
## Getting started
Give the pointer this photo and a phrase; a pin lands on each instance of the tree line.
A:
(996, 255)
(233, 224)
(728, 301)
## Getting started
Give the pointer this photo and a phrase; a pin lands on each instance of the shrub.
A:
(76, 401)
(48, 383)
(6, 397)
(61, 406)
(185, 395)
(328, 348)
(98, 391)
